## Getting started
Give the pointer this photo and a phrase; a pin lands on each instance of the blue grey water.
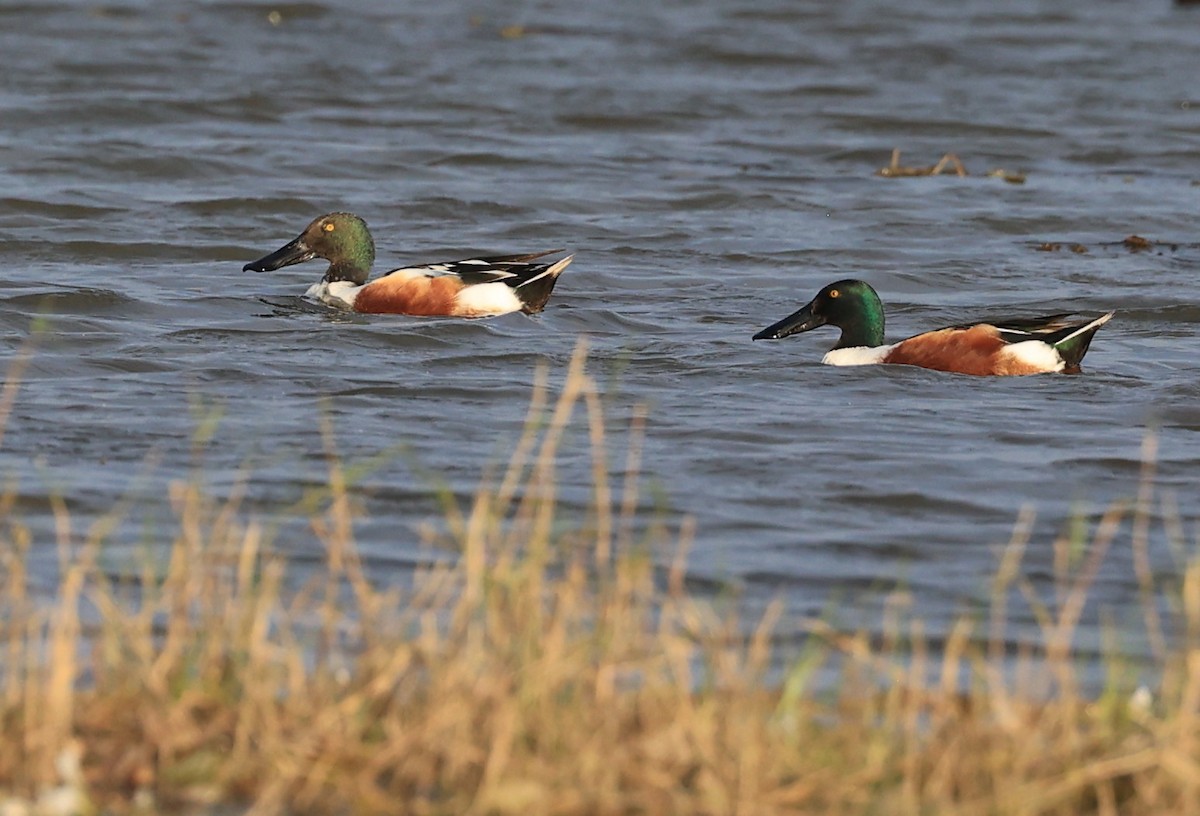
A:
(712, 163)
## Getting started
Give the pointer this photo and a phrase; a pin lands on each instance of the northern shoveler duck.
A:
(475, 287)
(996, 347)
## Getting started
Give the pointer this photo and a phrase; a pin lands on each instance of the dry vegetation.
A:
(949, 162)
(551, 669)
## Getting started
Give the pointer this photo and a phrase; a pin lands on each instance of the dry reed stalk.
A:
(1141, 546)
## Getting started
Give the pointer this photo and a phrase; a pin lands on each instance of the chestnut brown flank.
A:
(414, 296)
(977, 350)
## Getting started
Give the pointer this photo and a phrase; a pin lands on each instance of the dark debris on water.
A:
(1132, 243)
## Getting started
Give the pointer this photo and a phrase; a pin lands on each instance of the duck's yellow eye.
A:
(834, 293)
(329, 227)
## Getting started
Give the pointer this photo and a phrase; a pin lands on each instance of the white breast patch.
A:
(339, 293)
(857, 355)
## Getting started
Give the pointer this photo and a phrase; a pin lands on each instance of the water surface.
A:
(712, 164)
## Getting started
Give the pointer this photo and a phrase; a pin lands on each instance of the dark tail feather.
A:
(535, 290)
(1074, 342)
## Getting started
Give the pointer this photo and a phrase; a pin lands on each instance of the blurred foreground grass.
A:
(551, 668)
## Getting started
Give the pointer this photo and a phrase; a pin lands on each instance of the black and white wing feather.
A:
(515, 270)
(1020, 329)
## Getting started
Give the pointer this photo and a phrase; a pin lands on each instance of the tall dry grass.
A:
(552, 669)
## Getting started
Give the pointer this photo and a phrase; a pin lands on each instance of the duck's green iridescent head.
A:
(851, 305)
(341, 238)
